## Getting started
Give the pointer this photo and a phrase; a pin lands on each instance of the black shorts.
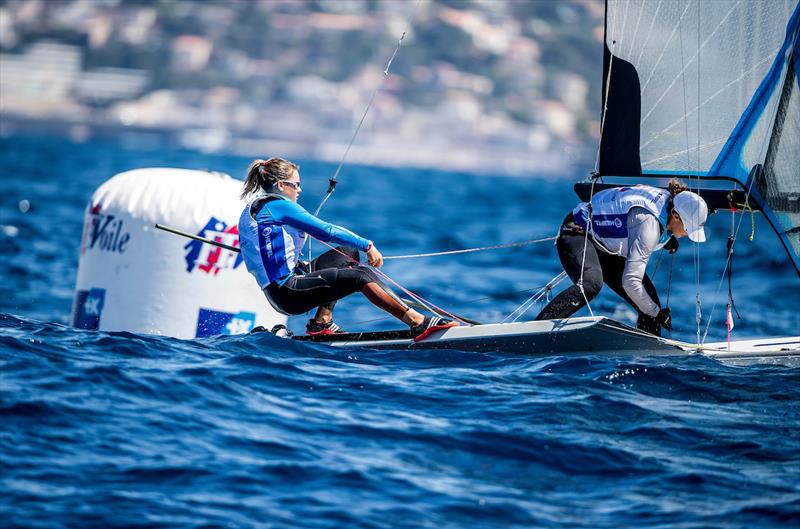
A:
(333, 276)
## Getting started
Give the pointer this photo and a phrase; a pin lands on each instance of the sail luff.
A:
(728, 162)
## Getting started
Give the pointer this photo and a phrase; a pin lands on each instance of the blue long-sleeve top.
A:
(272, 239)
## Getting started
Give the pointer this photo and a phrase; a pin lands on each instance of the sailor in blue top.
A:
(273, 229)
(624, 226)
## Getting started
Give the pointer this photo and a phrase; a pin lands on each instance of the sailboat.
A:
(706, 91)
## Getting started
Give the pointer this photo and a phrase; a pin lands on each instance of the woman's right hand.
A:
(374, 257)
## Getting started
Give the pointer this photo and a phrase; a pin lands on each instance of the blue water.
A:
(124, 430)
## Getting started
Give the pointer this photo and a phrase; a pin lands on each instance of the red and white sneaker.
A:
(315, 328)
(430, 325)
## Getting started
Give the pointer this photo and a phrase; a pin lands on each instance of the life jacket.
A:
(270, 249)
(609, 215)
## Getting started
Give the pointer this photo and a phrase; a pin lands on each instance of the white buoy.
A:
(133, 277)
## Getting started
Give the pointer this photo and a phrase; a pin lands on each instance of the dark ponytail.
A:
(264, 174)
(676, 186)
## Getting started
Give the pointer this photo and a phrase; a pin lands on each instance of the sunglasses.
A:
(293, 185)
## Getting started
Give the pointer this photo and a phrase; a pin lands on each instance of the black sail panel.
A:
(619, 141)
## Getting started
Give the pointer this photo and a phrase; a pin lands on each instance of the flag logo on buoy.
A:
(87, 308)
(214, 322)
(211, 259)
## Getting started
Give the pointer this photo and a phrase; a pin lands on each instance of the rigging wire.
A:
(537, 296)
(585, 243)
(764, 145)
(596, 174)
(698, 315)
(698, 311)
(333, 181)
(462, 303)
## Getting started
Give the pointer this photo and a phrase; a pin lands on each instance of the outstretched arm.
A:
(294, 215)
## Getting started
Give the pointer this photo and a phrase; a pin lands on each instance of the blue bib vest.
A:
(270, 249)
(609, 216)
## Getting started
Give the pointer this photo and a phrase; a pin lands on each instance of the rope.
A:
(698, 314)
(585, 243)
(727, 263)
(468, 250)
(466, 302)
(738, 227)
(422, 301)
(748, 208)
(595, 175)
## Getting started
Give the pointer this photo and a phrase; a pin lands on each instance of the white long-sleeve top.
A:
(644, 233)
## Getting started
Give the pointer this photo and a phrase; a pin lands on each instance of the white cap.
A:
(694, 212)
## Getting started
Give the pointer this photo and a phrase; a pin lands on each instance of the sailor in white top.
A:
(625, 226)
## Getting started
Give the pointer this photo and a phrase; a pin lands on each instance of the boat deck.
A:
(573, 336)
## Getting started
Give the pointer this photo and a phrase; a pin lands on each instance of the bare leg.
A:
(323, 315)
(383, 300)
(412, 318)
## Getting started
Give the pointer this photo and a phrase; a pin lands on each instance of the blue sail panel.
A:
(730, 161)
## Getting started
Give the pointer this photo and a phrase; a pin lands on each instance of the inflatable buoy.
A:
(133, 277)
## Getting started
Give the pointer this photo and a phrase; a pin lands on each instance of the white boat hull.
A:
(573, 336)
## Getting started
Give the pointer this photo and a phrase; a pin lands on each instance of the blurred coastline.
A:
(498, 86)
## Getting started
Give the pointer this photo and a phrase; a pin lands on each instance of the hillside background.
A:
(489, 86)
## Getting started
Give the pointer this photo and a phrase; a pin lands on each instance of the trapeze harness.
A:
(627, 225)
(272, 233)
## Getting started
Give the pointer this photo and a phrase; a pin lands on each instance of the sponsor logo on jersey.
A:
(616, 222)
(214, 322)
(104, 232)
(211, 259)
(88, 308)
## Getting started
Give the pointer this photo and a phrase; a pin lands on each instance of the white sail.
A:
(707, 88)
